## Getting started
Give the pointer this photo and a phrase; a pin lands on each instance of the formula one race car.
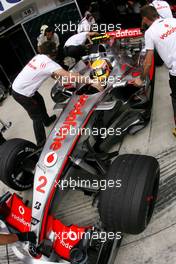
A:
(78, 150)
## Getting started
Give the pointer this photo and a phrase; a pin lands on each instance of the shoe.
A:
(50, 120)
(174, 131)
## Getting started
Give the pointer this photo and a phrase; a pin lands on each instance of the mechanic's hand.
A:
(136, 82)
(27, 236)
(99, 86)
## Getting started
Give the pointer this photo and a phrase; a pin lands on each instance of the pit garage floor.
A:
(157, 245)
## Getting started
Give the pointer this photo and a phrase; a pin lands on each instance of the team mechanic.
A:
(75, 46)
(47, 34)
(161, 35)
(29, 80)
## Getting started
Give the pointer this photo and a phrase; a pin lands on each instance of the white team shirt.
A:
(162, 35)
(34, 74)
(163, 8)
(42, 38)
(84, 26)
(77, 39)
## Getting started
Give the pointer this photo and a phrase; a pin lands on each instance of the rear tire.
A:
(15, 169)
(128, 209)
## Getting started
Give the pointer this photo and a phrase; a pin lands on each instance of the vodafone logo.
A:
(170, 31)
(69, 122)
(159, 6)
(126, 33)
(21, 210)
(42, 65)
(50, 159)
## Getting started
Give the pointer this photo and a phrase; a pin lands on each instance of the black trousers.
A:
(36, 109)
(75, 52)
(172, 83)
(2, 139)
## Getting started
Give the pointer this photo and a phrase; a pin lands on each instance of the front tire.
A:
(15, 170)
(128, 209)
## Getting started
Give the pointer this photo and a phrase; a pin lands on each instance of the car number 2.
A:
(43, 183)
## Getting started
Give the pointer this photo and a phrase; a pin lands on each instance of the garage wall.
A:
(18, 14)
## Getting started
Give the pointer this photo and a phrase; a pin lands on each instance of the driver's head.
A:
(101, 69)
(149, 15)
(49, 48)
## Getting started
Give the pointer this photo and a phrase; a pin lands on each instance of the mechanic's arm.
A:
(90, 35)
(146, 69)
(76, 77)
(6, 239)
